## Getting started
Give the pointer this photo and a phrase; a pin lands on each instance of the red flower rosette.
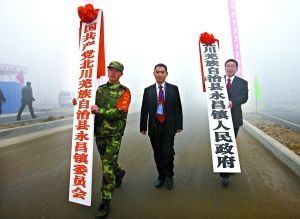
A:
(207, 38)
(87, 13)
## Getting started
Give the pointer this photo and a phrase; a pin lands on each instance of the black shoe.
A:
(103, 209)
(119, 178)
(225, 181)
(34, 117)
(18, 118)
(169, 183)
(159, 183)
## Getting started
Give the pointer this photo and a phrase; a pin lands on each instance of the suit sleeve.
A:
(243, 97)
(144, 112)
(178, 110)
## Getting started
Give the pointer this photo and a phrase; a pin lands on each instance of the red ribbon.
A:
(205, 38)
(87, 13)
(208, 39)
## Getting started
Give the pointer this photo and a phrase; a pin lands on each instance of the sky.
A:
(42, 35)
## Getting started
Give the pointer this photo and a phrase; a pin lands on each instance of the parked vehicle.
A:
(65, 98)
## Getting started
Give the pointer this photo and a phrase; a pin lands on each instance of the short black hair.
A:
(161, 65)
(28, 83)
(232, 60)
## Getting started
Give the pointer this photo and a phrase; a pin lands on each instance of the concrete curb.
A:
(288, 157)
(21, 134)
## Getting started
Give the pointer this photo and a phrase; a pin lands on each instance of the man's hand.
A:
(74, 102)
(178, 130)
(144, 132)
(94, 109)
(229, 104)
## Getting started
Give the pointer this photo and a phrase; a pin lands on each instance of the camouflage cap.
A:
(116, 65)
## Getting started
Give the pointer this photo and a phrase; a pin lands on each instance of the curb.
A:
(20, 134)
(285, 155)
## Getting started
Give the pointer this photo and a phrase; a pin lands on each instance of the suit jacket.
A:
(172, 109)
(238, 94)
(27, 95)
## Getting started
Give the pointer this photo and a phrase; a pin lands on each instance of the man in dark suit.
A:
(27, 99)
(237, 89)
(161, 109)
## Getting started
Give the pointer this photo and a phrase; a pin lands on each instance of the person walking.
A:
(2, 100)
(161, 116)
(111, 109)
(237, 89)
(27, 99)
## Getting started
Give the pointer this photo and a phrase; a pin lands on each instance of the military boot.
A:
(103, 209)
(119, 178)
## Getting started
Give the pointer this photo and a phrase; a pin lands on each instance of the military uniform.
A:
(113, 102)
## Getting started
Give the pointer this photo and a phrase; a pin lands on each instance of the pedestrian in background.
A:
(2, 99)
(27, 99)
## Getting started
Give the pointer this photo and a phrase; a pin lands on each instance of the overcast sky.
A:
(42, 35)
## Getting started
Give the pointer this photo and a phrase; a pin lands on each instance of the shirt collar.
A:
(164, 85)
(226, 77)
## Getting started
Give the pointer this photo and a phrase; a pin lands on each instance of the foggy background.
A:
(42, 35)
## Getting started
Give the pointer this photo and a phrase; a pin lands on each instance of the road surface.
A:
(35, 178)
(285, 114)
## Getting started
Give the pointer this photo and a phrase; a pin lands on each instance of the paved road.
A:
(35, 177)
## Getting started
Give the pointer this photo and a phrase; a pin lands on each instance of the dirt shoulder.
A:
(286, 136)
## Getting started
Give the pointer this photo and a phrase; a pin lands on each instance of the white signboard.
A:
(80, 190)
(223, 145)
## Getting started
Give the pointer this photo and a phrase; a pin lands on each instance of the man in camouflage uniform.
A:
(112, 103)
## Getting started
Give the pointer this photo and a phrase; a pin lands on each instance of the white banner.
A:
(80, 190)
(223, 145)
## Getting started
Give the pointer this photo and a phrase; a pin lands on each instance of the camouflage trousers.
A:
(109, 151)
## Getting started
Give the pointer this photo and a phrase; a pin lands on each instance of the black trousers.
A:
(236, 130)
(0, 107)
(23, 104)
(163, 147)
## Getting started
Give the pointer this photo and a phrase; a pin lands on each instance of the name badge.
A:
(160, 109)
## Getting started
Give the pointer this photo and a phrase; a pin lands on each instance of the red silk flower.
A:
(207, 38)
(88, 13)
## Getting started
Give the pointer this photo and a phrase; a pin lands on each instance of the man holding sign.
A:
(237, 89)
(112, 103)
(111, 109)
